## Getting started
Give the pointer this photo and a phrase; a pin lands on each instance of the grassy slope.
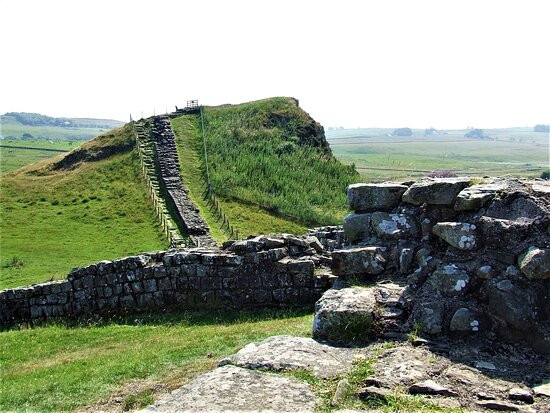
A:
(260, 170)
(58, 368)
(247, 219)
(265, 166)
(54, 220)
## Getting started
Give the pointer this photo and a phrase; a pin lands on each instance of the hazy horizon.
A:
(447, 64)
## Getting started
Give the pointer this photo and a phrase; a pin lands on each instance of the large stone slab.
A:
(436, 191)
(372, 197)
(295, 353)
(476, 196)
(357, 261)
(345, 315)
(234, 389)
(460, 235)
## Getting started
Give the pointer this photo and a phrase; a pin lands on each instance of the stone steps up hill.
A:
(166, 157)
(147, 159)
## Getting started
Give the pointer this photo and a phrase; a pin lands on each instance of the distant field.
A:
(43, 137)
(512, 152)
(15, 157)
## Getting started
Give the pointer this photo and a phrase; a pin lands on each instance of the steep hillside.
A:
(268, 160)
(86, 206)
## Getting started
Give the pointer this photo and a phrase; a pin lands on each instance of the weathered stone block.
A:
(464, 320)
(164, 284)
(450, 280)
(302, 279)
(372, 197)
(357, 261)
(428, 317)
(160, 271)
(535, 263)
(127, 302)
(211, 283)
(357, 226)
(137, 287)
(457, 234)
(435, 191)
(104, 267)
(150, 285)
(344, 315)
(475, 196)
(145, 300)
(394, 226)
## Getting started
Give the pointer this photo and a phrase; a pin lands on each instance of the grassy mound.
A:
(269, 159)
(87, 206)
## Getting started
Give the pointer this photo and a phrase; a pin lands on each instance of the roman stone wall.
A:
(446, 256)
(166, 157)
(261, 272)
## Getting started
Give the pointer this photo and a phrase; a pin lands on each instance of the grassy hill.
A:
(75, 209)
(269, 164)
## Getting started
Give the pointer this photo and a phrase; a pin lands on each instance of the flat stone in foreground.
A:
(294, 353)
(233, 389)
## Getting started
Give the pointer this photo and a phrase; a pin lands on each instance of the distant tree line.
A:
(475, 133)
(36, 119)
(402, 132)
(542, 128)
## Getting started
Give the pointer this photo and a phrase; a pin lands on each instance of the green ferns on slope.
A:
(272, 154)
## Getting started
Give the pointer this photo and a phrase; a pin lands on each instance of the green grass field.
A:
(59, 368)
(54, 220)
(14, 158)
(11, 128)
(509, 152)
(44, 137)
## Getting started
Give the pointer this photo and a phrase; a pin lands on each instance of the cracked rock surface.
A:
(234, 389)
(279, 353)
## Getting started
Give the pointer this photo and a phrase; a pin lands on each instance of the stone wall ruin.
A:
(444, 256)
(283, 271)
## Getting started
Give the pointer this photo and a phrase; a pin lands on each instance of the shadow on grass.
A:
(182, 318)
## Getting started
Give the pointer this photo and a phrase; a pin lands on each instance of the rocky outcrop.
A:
(482, 254)
(234, 389)
(287, 353)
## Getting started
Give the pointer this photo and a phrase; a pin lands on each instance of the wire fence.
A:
(209, 196)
